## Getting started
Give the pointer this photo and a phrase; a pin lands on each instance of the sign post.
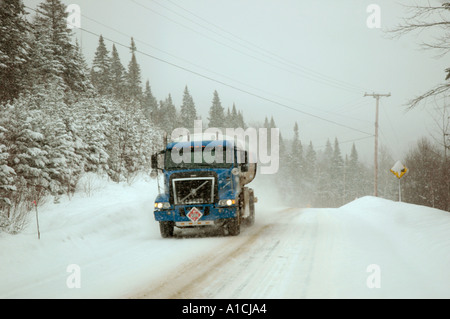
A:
(399, 170)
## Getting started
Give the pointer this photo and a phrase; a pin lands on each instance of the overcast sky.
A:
(305, 61)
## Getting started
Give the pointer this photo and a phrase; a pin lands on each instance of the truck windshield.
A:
(190, 157)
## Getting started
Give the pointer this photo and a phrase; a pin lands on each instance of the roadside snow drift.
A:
(369, 248)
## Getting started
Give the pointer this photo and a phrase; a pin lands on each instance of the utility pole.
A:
(377, 97)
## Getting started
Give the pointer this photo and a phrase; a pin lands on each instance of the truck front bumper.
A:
(210, 215)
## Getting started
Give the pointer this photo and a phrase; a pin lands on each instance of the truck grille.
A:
(199, 190)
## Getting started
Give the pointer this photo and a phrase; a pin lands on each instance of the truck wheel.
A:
(234, 226)
(166, 229)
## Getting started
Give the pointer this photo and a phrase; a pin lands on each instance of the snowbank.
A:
(90, 230)
(409, 243)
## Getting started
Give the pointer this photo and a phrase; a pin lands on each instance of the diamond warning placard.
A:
(194, 214)
(399, 169)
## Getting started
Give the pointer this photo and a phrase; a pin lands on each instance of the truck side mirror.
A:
(154, 161)
(244, 165)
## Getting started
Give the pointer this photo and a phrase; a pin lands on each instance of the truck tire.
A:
(166, 229)
(234, 226)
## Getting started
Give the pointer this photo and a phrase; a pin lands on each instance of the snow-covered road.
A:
(313, 253)
(370, 248)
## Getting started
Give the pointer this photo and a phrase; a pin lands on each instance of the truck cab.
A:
(204, 185)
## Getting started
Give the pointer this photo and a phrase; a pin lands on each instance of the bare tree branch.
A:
(433, 22)
(440, 89)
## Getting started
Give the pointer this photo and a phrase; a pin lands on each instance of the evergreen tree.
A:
(7, 175)
(235, 121)
(323, 196)
(337, 175)
(100, 73)
(352, 176)
(117, 75)
(46, 66)
(149, 103)
(51, 32)
(240, 120)
(309, 173)
(14, 49)
(81, 75)
(283, 173)
(266, 123)
(134, 87)
(168, 115)
(216, 112)
(228, 122)
(296, 167)
(188, 113)
(423, 185)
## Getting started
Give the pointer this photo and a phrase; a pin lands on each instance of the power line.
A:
(261, 50)
(346, 141)
(247, 42)
(336, 113)
(315, 76)
(182, 59)
(222, 82)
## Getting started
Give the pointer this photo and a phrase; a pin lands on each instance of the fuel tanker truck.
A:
(204, 184)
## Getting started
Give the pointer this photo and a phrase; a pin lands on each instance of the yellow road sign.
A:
(399, 169)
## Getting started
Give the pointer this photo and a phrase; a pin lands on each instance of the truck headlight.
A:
(227, 202)
(164, 205)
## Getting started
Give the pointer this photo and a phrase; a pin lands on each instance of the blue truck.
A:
(204, 185)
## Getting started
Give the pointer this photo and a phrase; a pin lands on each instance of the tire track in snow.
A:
(195, 272)
(271, 260)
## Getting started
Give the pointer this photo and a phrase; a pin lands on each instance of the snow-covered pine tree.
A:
(296, 167)
(100, 71)
(46, 67)
(337, 175)
(78, 75)
(134, 83)
(169, 116)
(93, 119)
(309, 173)
(354, 178)
(188, 112)
(117, 76)
(323, 195)
(283, 173)
(240, 120)
(216, 112)
(50, 30)
(228, 122)
(149, 103)
(81, 80)
(7, 174)
(234, 118)
(26, 155)
(266, 123)
(14, 49)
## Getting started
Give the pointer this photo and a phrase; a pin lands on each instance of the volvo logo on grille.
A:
(194, 214)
